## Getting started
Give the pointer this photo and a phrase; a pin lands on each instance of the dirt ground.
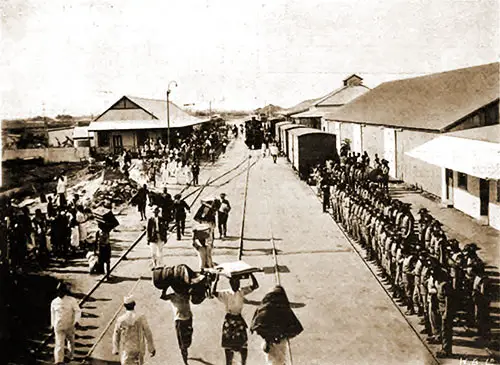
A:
(28, 179)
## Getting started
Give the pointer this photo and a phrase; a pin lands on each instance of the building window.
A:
(462, 180)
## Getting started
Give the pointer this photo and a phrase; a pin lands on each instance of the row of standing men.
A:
(430, 274)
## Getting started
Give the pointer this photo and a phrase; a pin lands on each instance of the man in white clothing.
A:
(64, 316)
(131, 335)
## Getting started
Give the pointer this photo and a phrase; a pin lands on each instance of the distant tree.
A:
(64, 117)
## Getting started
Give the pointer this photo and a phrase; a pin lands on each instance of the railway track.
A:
(40, 353)
(372, 271)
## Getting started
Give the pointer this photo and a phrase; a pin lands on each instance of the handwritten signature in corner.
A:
(477, 362)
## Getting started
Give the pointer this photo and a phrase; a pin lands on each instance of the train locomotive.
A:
(254, 133)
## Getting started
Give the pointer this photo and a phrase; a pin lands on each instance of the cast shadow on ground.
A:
(293, 305)
(93, 361)
(200, 360)
(272, 269)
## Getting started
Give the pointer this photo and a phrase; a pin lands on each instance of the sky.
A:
(78, 57)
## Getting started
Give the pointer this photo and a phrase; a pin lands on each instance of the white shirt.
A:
(130, 336)
(64, 312)
(233, 301)
(61, 186)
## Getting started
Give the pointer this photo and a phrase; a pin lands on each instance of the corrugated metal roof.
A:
(486, 134)
(82, 132)
(300, 107)
(475, 158)
(318, 112)
(343, 95)
(137, 124)
(431, 102)
(158, 108)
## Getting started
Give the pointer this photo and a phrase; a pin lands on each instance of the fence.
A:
(49, 155)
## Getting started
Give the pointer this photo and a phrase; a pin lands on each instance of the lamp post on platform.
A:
(168, 113)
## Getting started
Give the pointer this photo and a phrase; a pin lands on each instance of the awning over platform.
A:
(141, 124)
(472, 157)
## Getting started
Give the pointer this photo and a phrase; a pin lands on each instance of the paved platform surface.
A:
(348, 317)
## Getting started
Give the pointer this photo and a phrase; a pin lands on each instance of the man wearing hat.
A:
(223, 214)
(407, 221)
(179, 208)
(131, 335)
(65, 314)
(157, 235)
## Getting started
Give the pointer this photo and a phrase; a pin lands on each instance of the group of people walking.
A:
(273, 320)
(428, 272)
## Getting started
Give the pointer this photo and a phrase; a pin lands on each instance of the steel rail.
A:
(275, 255)
(240, 251)
(348, 238)
(199, 190)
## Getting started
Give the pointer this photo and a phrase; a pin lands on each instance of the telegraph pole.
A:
(168, 113)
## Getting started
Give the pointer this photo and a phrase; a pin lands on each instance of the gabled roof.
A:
(317, 112)
(300, 107)
(342, 96)
(433, 102)
(157, 109)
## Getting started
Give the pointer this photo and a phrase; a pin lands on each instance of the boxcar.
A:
(277, 131)
(272, 125)
(285, 137)
(311, 147)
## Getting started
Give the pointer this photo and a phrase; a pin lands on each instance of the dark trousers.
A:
(223, 223)
(326, 201)
(446, 332)
(195, 179)
(180, 224)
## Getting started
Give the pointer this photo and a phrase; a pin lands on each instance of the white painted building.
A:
(470, 168)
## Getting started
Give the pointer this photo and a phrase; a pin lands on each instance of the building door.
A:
(449, 186)
(484, 196)
(117, 144)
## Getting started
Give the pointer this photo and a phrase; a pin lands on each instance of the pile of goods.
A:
(115, 188)
(182, 280)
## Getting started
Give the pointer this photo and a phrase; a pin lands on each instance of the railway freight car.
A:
(310, 147)
(254, 134)
(277, 132)
(285, 137)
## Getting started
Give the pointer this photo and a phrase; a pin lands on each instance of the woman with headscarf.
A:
(275, 322)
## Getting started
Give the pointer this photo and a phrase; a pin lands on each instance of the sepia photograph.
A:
(248, 182)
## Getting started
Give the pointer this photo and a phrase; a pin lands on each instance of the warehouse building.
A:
(130, 121)
(398, 116)
(314, 117)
